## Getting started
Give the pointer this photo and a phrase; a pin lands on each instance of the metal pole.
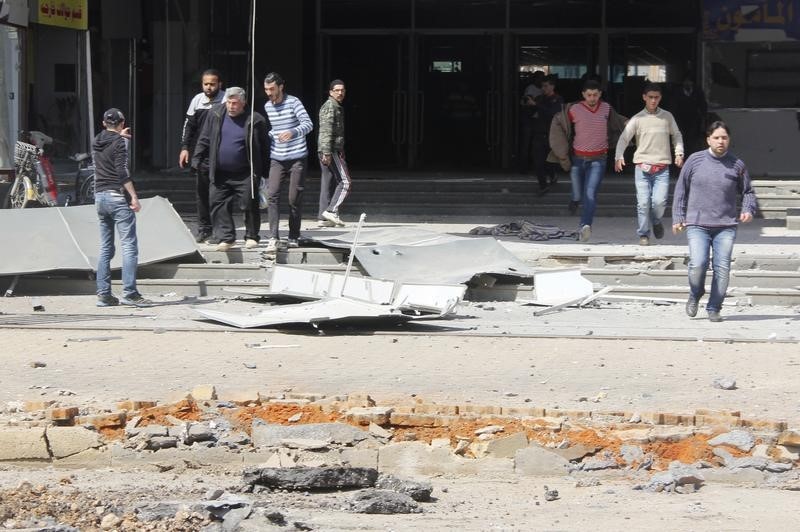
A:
(89, 89)
(352, 252)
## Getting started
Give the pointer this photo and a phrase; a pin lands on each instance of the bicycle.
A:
(34, 183)
(84, 179)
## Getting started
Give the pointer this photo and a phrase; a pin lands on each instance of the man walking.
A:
(548, 104)
(224, 150)
(117, 203)
(335, 176)
(211, 95)
(579, 137)
(652, 128)
(288, 153)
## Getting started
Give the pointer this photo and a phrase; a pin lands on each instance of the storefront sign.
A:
(64, 13)
(724, 19)
(14, 12)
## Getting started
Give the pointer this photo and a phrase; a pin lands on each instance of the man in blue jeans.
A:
(117, 204)
(705, 205)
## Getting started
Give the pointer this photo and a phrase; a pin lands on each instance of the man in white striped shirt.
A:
(288, 153)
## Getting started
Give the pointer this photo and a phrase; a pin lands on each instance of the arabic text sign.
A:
(64, 13)
(722, 19)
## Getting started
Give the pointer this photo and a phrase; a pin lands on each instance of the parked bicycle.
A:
(84, 179)
(34, 184)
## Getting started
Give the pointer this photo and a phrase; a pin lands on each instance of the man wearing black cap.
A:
(117, 204)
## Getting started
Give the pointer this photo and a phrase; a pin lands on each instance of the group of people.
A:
(232, 150)
(230, 157)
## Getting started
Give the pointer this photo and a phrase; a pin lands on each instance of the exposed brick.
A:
(135, 405)
(430, 408)
(522, 411)
(366, 415)
(63, 414)
(104, 421)
(789, 438)
(480, 410)
(33, 406)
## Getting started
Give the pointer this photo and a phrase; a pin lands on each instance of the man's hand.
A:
(619, 164)
(183, 158)
(745, 217)
(285, 136)
(678, 228)
(679, 160)
(135, 205)
(325, 159)
(126, 132)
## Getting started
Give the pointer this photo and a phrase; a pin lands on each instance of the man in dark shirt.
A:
(211, 83)
(548, 105)
(113, 190)
(224, 151)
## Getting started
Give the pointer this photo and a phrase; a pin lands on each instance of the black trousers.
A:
(295, 171)
(203, 188)
(545, 171)
(231, 196)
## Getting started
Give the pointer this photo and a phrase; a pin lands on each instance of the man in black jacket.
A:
(112, 193)
(225, 151)
(212, 95)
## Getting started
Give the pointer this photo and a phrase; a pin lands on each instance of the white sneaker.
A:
(586, 233)
(272, 246)
(333, 217)
(293, 243)
(250, 243)
(325, 223)
(224, 246)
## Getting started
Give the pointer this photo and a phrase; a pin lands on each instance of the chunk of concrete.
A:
(270, 435)
(156, 511)
(631, 454)
(535, 460)
(66, 441)
(575, 452)
(741, 439)
(418, 490)
(789, 438)
(305, 444)
(507, 446)
(23, 444)
(383, 502)
(595, 464)
(311, 478)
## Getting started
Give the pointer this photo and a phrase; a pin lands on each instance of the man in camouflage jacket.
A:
(335, 184)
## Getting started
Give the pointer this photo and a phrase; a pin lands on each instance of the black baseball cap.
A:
(113, 116)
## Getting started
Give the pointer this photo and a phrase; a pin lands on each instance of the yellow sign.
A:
(64, 13)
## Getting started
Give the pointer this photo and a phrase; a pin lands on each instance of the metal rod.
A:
(352, 252)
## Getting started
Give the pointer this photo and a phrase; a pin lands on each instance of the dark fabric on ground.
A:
(525, 230)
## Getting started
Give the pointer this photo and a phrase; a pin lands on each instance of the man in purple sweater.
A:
(705, 205)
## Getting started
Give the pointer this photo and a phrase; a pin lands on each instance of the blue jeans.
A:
(113, 211)
(651, 198)
(586, 176)
(718, 240)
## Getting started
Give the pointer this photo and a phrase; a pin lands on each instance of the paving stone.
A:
(23, 444)
(418, 490)
(670, 433)
(575, 452)
(383, 502)
(634, 435)
(66, 441)
(741, 439)
(365, 415)
(311, 478)
(789, 438)
(535, 460)
(270, 435)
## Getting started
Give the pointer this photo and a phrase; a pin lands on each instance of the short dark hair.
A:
(274, 77)
(590, 85)
(716, 124)
(551, 79)
(651, 86)
(211, 72)
(335, 82)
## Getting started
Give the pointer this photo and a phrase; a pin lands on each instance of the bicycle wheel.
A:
(18, 195)
(86, 192)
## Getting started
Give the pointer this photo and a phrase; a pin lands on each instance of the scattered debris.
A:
(311, 478)
(725, 383)
(383, 502)
(550, 495)
(94, 339)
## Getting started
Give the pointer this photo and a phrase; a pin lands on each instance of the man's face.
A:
(718, 141)
(235, 106)
(651, 100)
(210, 85)
(337, 93)
(273, 91)
(591, 97)
(548, 88)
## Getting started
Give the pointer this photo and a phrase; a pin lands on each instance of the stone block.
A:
(240, 397)
(413, 420)
(114, 420)
(360, 457)
(383, 502)
(575, 452)
(63, 414)
(23, 444)
(33, 406)
(764, 425)
(652, 418)
(480, 410)
(131, 406)
(670, 433)
(378, 415)
(379, 432)
(717, 413)
(359, 399)
(789, 438)
(703, 420)
(88, 459)
(311, 478)
(66, 441)
(430, 408)
(204, 392)
(271, 435)
(522, 411)
(506, 447)
(535, 460)
(313, 397)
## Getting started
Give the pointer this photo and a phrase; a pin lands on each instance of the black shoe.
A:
(543, 189)
(553, 179)
(573, 207)
(714, 316)
(107, 300)
(658, 231)
(691, 307)
(213, 241)
(135, 300)
(202, 236)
